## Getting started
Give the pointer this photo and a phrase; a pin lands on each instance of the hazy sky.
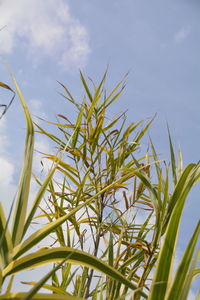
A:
(158, 41)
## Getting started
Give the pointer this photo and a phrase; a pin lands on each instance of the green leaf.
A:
(180, 162)
(150, 187)
(114, 94)
(39, 296)
(86, 87)
(70, 98)
(36, 237)
(166, 254)
(100, 87)
(39, 284)
(54, 289)
(188, 280)
(157, 164)
(6, 244)
(38, 199)
(197, 297)
(1, 279)
(45, 256)
(181, 184)
(77, 125)
(182, 271)
(25, 176)
(142, 132)
(173, 159)
(111, 251)
(196, 272)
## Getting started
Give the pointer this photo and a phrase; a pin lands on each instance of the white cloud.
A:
(36, 106)
(7, 172)
(191, 295)
(3, 138)
(7, 186)
(37, 110)
(6, 166)
(43, 28)
(181, 35)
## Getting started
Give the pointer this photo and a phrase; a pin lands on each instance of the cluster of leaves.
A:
(93, 212)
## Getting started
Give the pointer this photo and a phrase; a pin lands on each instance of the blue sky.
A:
(158, 41)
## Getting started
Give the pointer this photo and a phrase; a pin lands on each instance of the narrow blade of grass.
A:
(166, 254)
(25, 176)
(45, 256)
(182, 271)
(173, 159)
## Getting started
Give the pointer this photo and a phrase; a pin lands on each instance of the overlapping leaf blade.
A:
(25, 176)
(45, 256)
(166, 255)
(182, 271)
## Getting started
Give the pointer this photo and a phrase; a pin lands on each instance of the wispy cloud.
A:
(3, 137)
(43, 28)
(181, 35)
(7, 169)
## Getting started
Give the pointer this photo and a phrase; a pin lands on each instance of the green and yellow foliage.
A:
(114, 216)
